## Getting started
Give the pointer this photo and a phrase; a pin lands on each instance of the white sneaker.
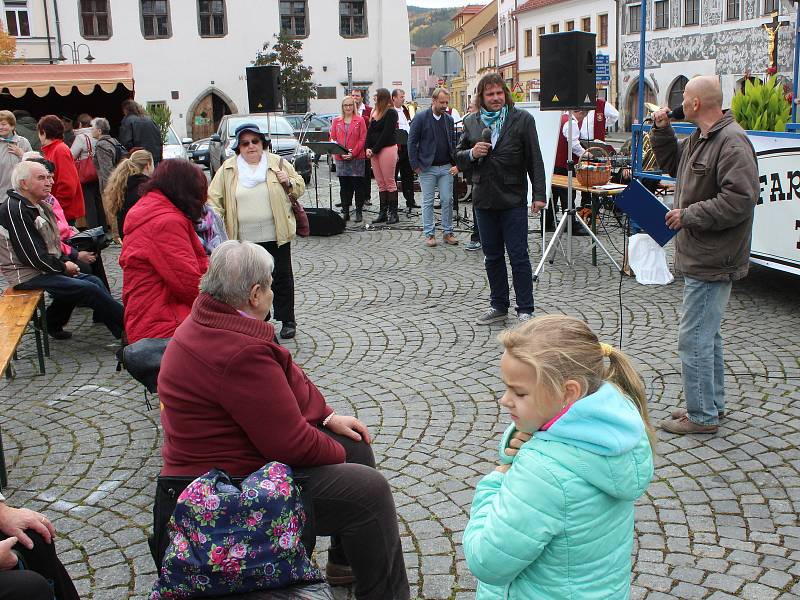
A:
(524, 316)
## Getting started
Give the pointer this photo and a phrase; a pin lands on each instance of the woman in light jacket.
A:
(250, 192)
(350, 130)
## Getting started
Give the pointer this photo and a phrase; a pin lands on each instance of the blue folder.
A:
(648, 211)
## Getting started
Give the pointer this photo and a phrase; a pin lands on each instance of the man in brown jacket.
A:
(715, 195)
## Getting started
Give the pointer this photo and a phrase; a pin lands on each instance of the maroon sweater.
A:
(232, 398)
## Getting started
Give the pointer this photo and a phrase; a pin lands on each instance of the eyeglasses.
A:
(246, 143)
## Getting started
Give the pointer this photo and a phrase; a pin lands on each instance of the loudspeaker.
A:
(568, 71)
(324, 221)
(264, 89)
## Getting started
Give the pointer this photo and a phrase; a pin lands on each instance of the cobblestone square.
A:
(386, 330)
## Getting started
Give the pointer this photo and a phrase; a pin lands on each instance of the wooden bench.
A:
(17, 309)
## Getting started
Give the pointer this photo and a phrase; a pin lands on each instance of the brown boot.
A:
(683, 426)
(679, 413)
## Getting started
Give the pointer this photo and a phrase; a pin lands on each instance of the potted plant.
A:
(762, 106)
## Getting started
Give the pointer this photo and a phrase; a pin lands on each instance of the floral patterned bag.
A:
(230, 540)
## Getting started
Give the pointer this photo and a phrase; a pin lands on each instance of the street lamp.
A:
(74, 50)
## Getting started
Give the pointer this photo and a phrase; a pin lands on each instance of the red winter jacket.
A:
(232, 398)
(162, 261)
(354, 138)
(66, 185)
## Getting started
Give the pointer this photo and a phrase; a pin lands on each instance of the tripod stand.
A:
(568, 217)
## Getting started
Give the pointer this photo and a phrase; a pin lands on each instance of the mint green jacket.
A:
(559, 523)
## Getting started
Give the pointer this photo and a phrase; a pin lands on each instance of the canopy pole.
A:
(796, 61)
(637, 159)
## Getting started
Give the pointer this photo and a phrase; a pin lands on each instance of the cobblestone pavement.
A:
(386, 331)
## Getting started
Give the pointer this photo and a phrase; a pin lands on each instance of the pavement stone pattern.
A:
(385, 329)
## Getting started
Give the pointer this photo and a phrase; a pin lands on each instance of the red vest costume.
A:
(561, 148)
(600, 120)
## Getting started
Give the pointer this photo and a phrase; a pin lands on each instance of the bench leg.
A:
(3, 474)
(43, 327)
(39, 348)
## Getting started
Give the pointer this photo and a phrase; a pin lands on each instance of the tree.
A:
(162, 117)
(296, 83)
(8, 47)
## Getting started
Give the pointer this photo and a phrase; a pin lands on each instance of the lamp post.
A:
(74, 50)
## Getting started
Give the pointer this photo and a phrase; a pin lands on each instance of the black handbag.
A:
(90, 240)
(142, 360)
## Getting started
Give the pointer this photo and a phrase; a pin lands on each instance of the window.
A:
(352, 18)
(586, 24)
(212, 18)
(770, 6)
(512, 35)
(17, 18)
(602, 30)
(732, 10)
(554, 28)
(691, 12)
(326, 92)
(675, 97)
(294, 18)
(539, 33)
(570, 25)
(503, 36)
(95, 23)
(155, 19)
(634, 18)
(662, 14)
(528, 42)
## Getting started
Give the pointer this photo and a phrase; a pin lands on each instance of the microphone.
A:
(486, 136)
(676, 114)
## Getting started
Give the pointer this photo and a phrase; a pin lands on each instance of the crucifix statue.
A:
(772, 31)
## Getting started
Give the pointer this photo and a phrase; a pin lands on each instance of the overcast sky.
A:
(443, 3)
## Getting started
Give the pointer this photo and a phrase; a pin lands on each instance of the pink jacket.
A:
(354, 139)
(64, 230)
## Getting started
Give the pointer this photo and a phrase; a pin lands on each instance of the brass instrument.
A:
(649, 162)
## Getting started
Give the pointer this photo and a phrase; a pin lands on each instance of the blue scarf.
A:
(494, 120)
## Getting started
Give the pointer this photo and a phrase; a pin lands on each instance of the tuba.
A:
(649, 162)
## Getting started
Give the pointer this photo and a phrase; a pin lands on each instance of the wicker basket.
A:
(594, 167)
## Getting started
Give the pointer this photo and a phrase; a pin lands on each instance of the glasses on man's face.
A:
(246, 143)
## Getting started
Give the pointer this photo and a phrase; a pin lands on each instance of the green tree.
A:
(296, 78)
(162, 117)
(8, 47)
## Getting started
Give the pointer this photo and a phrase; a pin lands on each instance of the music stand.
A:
(323, 148)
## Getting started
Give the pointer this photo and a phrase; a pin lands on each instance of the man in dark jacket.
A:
(500, 147)
(28, 128)
(431, 146)
(138, 130)
(715, 196)
(31, 256)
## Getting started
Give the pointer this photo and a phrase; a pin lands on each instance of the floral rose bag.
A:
(230, 540)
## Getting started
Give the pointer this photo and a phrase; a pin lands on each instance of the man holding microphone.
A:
(716, 192)
(500, 148)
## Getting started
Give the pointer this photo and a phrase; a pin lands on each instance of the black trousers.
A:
(348, 186)
(43, 575)
(282, 281)
(93, 203)
(406, 175)
(364, 189)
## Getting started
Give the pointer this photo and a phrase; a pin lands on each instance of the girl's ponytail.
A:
(621, 373)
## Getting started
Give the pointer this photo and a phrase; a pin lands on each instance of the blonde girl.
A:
(120, 193)
(555, 519)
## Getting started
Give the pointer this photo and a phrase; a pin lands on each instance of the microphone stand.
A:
(568, 217)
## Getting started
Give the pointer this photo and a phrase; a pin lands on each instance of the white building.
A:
(507, 39)
(686, 38)
(537, 17)
(192, 54)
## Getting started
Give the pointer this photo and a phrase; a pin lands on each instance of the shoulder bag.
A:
(87, 172)
(300, 216)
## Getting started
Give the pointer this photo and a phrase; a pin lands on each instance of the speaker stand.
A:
(568, 217)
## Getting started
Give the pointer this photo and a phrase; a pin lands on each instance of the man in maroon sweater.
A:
(232, 398)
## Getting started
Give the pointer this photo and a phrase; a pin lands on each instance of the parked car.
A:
(329, 117)
(199, 151)
(277, 129)
(175, 148)
(319, 130)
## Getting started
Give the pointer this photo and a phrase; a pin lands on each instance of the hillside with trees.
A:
(429, 26)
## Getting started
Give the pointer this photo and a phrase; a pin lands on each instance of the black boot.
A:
(358, 217)
(346, 213)
(392, 201)
(381, 218)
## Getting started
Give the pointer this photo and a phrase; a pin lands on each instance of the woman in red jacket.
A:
(233, 398)
(162, 258)
(66, 185)
(350, 130)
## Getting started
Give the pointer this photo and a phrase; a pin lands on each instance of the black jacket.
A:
(499, 180)
(139, 131)
(422, 139)
(132, 195)
(382, 133)
(28, 128)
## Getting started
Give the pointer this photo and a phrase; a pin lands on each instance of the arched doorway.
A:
(632, 106)
(675, 96)
(205, 113)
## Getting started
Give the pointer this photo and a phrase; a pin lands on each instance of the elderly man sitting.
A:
(232, 398)
(31, 256)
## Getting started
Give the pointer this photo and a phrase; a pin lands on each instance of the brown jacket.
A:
(716, 190)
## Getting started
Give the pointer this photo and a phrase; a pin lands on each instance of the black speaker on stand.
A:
(567, 71)
(264, 89)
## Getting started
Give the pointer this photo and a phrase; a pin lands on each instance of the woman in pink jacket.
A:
(350, 130)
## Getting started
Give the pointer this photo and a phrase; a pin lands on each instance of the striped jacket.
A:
(24, 251)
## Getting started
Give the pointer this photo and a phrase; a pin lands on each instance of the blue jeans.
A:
(81, 290)
(501, 231)
(700, 348)
(431, 178)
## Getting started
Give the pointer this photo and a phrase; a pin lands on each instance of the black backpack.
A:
(120, 151)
